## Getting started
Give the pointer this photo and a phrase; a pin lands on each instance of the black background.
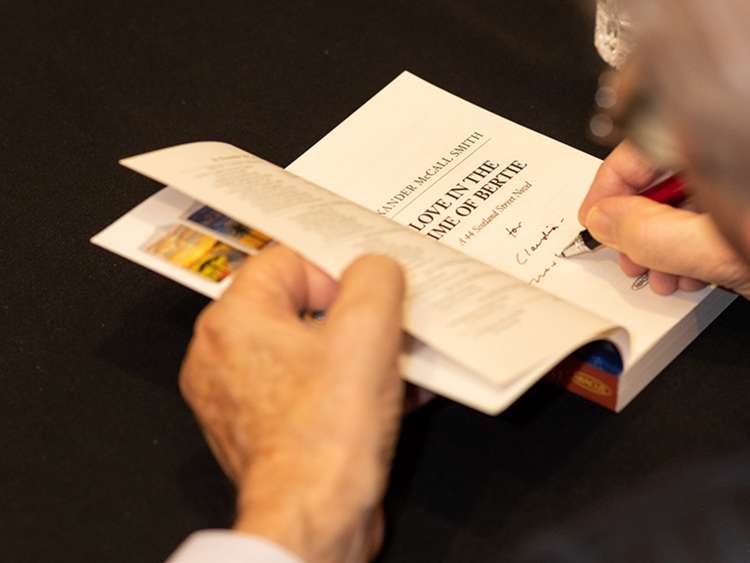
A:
(100, 459)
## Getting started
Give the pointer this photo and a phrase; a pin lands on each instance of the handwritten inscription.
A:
(523, 256)
(512, 231)
(538, 279)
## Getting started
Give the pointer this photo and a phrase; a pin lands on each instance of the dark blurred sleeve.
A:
(700, 515)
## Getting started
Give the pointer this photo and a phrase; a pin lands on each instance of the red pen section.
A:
(669, 192)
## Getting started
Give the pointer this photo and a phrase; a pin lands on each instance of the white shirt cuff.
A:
(226, 546)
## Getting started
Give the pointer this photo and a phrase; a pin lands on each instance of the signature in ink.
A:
(540, 277)
(522, 256)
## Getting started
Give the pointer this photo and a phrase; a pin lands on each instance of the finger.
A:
(280, 282)
(630, 268)
(368, 309)
(321, 288)
(690, 284)
(661, 283)
(662, 238)
(626, 171)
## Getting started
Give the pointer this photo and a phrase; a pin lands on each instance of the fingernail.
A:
(601, 226)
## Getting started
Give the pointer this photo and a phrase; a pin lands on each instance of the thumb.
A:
(367, 312)
(666, 239)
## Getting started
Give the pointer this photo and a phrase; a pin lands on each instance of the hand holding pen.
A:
(682, 249)
(668, 192)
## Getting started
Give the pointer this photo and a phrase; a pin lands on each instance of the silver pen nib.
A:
(575, 248)
(583, 244)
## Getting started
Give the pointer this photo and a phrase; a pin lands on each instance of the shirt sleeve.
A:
(225, 546)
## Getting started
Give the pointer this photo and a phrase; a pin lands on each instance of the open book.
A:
(474, 207)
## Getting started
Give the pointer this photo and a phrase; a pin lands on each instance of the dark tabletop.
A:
(100, 459)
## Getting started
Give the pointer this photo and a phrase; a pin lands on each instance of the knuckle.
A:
(641, 169)
(185, 383)
(188, 380)
(644, 172)
(209, 325)
(731, 270)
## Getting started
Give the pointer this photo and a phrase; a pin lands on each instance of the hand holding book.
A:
(271, 392)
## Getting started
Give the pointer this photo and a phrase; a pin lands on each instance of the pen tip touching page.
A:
(574, 248)
(582, 244)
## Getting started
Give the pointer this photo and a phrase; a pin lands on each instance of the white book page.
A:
(459, 175)
(482, 319)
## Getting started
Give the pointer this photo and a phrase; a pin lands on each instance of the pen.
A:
(670, 192)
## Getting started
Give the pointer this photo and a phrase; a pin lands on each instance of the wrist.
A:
(315, 514)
